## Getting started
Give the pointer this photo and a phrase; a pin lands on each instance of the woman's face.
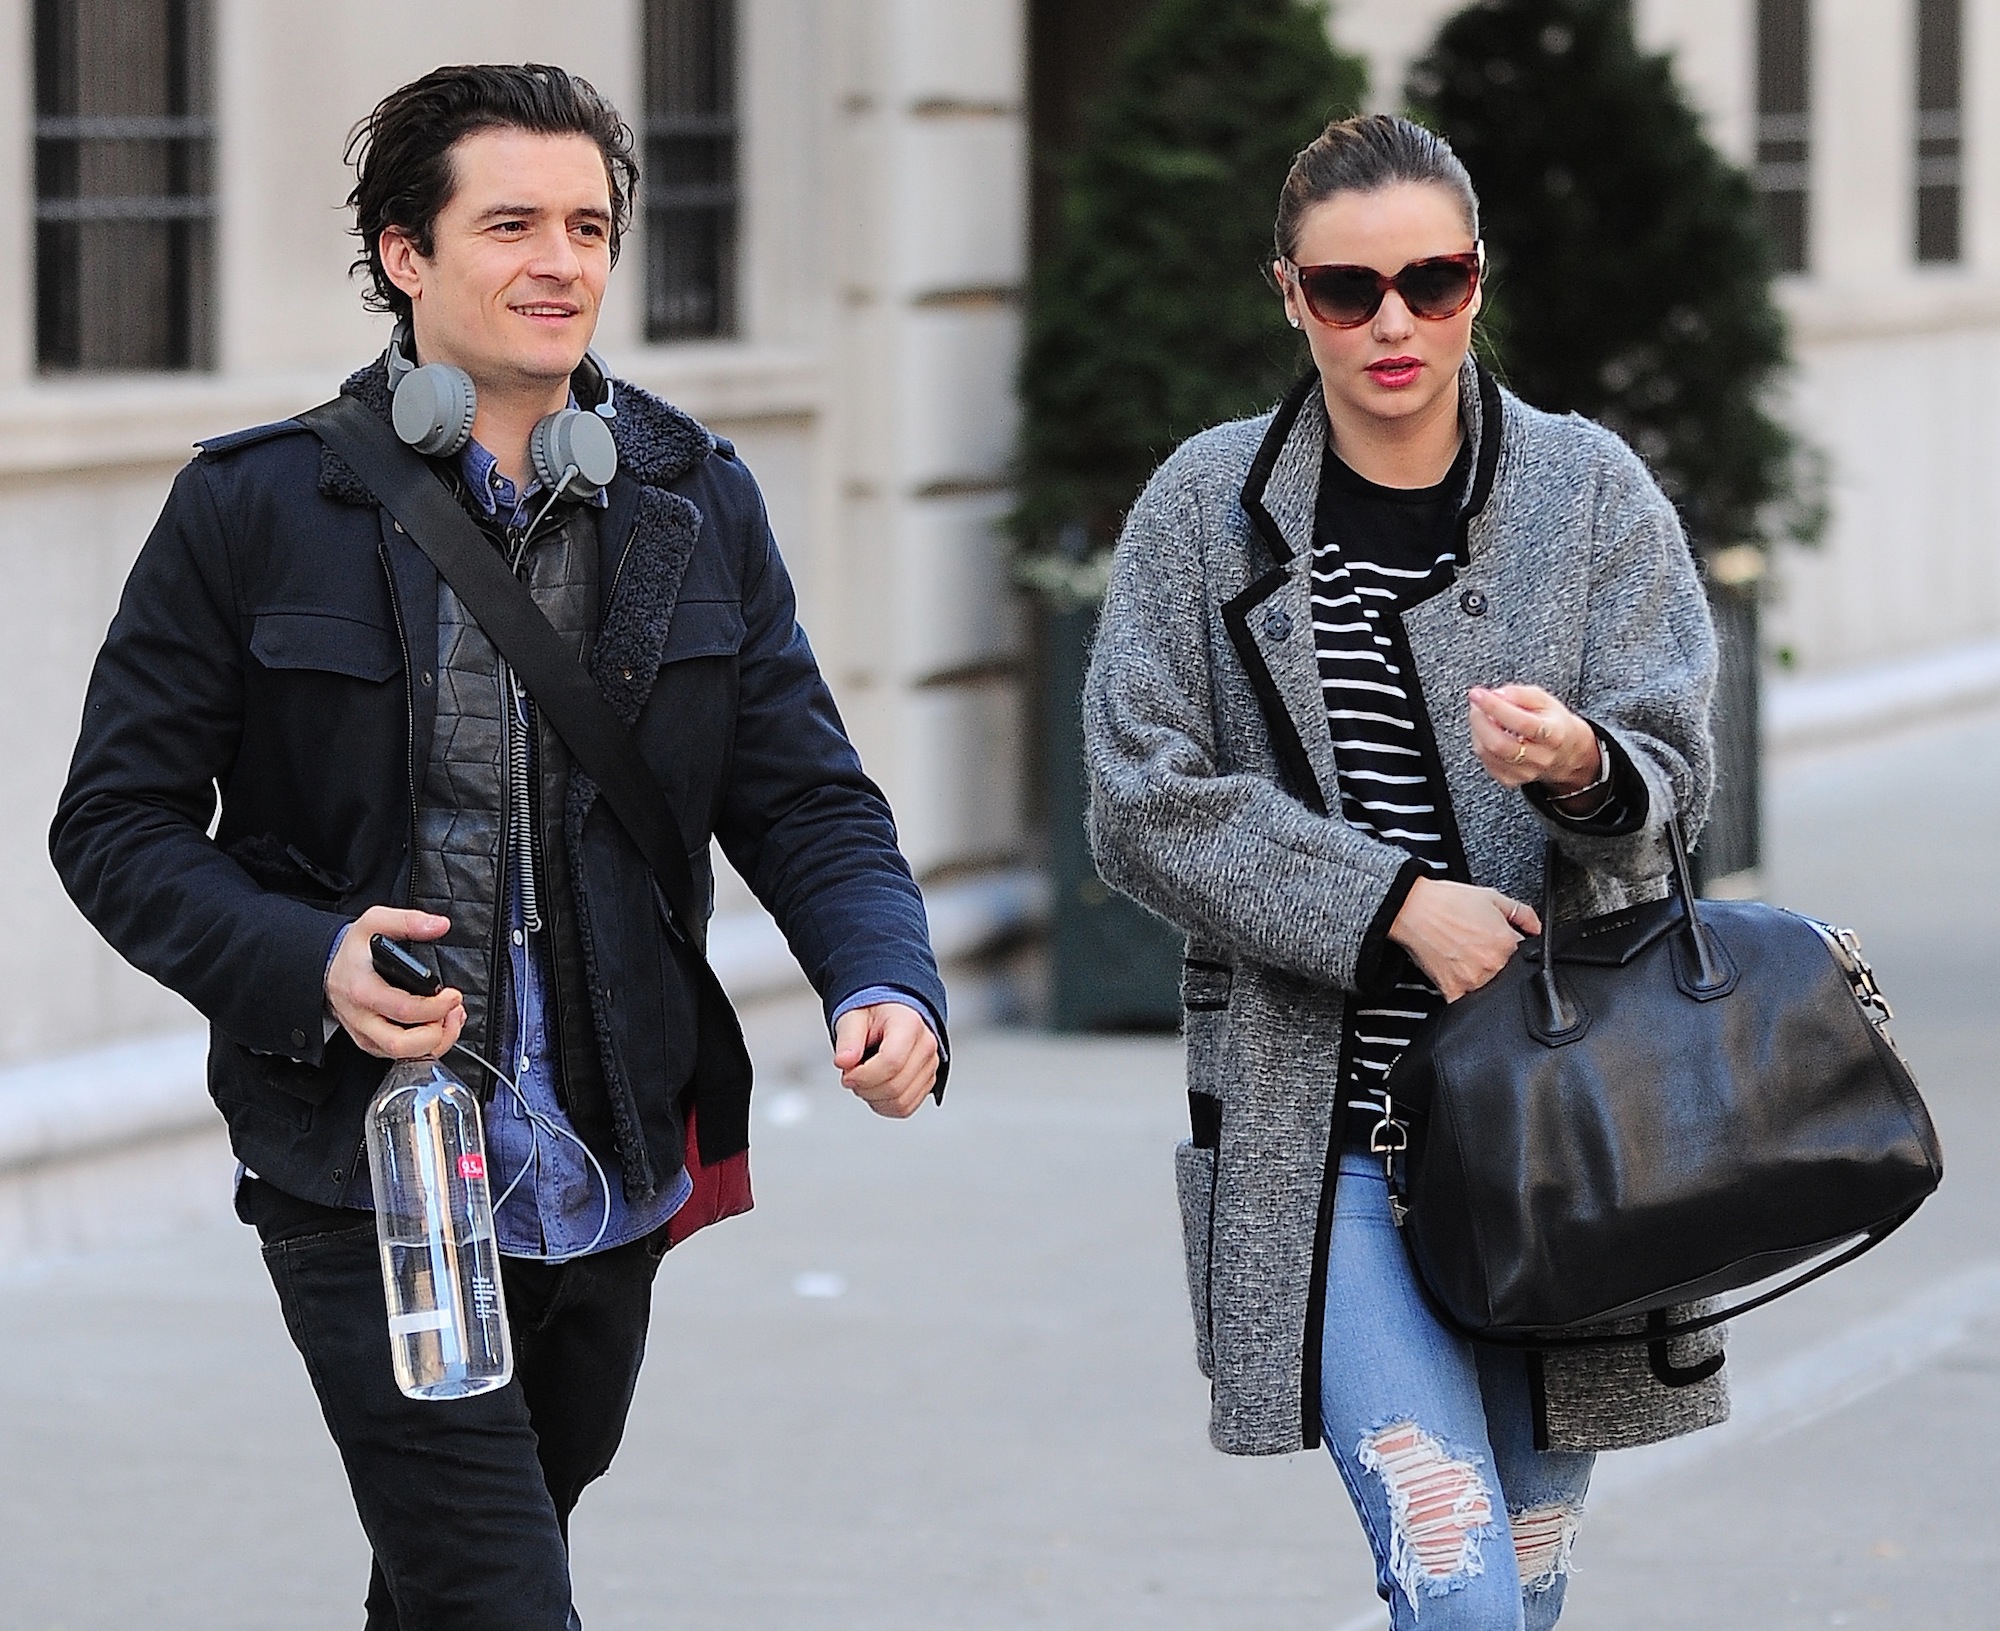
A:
(1395, 366)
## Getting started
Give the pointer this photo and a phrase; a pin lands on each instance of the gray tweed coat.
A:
(1214, 803)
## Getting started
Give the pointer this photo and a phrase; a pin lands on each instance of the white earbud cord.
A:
(555, 493)
(538, 1124)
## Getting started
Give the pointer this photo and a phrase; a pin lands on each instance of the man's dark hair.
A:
(401, 152)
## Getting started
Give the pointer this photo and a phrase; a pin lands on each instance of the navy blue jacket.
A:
(275, 651)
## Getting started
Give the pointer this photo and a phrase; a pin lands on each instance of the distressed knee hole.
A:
(1543, 1536)
(1439, 1508)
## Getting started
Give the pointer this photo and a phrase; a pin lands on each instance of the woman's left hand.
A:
(1522, 735)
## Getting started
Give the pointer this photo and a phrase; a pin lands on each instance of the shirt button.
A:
(1278, 623)
(1473, 603)
(524, 1062)
(517, 937)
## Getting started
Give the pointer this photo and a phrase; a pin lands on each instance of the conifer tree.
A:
(1148, 320)
(1630, 278)
(1149, 317)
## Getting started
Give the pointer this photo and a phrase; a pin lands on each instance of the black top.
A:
(1399, 529)
(1377, 551)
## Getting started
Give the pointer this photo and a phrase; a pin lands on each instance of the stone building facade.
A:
(1881, 119)
(829, 271)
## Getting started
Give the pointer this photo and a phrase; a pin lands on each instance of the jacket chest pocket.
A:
(326, 643)
(703, 628)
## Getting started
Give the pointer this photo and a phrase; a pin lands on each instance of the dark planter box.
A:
(1112, 964)
(1733, 841)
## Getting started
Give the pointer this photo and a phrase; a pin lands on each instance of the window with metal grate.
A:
(124, 203)
(1939, 135)
(1784, 128)
(691, 169)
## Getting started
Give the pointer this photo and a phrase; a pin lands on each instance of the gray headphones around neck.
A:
(433, 407)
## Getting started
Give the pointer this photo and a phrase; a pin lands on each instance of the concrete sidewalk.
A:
(942, 1376)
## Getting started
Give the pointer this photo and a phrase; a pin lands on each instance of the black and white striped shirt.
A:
(1376, 551)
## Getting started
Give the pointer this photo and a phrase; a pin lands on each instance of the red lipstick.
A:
(1395, 373)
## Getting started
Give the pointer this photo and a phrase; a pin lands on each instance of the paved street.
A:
(941, 1378)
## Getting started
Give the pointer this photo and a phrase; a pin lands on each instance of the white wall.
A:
(65, 548)
(1909, 564)
(933, 254)
(1391, 34)
(1894, 360)
(870, 390)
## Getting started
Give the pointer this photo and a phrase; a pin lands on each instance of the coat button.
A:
(298, 1038)
(339, 1175)
(426, 676)
(1473, 603)
(1278, 623)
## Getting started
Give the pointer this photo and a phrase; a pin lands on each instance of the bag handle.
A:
(504, 609)
(1560, 1017)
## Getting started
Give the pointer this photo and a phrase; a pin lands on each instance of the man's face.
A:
(519, 258)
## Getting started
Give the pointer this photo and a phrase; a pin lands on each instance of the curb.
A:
(1851, 705)
(87, 1102)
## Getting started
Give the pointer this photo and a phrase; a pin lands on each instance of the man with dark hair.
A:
(296, 737)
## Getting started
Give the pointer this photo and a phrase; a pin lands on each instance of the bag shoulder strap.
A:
(504, 609)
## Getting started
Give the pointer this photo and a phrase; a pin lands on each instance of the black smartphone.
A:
(395, 964)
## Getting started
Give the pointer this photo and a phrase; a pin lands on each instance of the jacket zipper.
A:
(618, 571)
(538, 850)
(515, 546)
(524, 845)
(409, 766)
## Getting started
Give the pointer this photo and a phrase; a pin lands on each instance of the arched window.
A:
(123, 197)
(690, 169)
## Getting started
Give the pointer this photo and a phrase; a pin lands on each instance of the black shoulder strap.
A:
(502, 606)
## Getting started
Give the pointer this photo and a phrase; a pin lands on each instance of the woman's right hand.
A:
(1460, 935)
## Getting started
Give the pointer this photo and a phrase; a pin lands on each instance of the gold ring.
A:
(1520, 754)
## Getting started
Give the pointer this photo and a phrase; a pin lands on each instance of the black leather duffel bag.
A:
(1689, 1098)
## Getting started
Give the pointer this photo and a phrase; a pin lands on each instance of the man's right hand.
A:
(388, 1023)
(1459, 934)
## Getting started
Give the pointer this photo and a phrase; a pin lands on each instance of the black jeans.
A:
(465, 1502)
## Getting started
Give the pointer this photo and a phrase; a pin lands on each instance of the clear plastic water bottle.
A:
(434, 1218)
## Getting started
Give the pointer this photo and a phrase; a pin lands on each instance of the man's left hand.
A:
(886, 1056)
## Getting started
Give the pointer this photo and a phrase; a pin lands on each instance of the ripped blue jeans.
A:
(1471, 1525)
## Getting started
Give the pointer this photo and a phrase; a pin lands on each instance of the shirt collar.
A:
(496, 496)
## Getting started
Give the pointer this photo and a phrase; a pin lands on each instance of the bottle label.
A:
(472, 1165)
(425, 1319)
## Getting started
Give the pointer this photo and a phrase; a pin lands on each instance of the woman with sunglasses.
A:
(1359, 660)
